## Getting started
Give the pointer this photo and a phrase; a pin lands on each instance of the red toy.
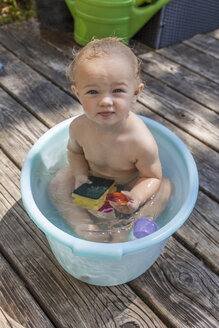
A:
(117, 198)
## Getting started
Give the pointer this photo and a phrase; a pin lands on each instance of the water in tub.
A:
(105, 222)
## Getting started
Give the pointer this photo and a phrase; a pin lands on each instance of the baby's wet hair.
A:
(98, 48)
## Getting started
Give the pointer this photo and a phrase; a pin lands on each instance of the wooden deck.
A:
(181, 288)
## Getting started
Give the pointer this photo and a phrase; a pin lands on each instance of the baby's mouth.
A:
(105, 114)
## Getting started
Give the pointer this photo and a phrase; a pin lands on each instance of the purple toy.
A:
(144, 227)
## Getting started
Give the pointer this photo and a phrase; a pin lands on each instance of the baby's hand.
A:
(131, 206)
(80, 180)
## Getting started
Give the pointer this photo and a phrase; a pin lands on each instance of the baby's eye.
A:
(92, 92)
(117, 90)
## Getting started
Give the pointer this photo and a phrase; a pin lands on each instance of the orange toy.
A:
(117, 198)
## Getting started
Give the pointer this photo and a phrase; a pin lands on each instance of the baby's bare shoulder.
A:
(78, 124)
(141, 135)
(145, 149)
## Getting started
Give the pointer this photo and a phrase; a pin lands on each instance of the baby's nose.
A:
(106, 101)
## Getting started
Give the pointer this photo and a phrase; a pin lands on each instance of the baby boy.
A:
(109, 140)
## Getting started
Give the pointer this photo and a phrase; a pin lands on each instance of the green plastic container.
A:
(103, 18)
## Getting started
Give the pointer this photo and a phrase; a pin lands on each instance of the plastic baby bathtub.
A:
(102, 263)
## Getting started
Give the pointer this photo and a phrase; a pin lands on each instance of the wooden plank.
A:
(19, 129)
(181, 288)
(18, 308)
(25, 42)
(45, 100)
(63, 42)
(67, 301)
(26, 31)
(6, 321)
(204, 43)
(180, 110)
(200, 232)
(10, 180)
(181, 79)
(193, 59)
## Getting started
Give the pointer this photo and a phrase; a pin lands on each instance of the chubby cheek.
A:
(123, 105)
(89, 106)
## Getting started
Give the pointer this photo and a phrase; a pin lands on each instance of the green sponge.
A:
(93, 196)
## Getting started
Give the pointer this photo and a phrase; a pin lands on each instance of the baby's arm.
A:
(148, 164)
(149, 167)
(76, 159)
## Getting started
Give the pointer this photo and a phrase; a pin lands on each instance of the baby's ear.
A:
(75, 91)
(137, 92)
(140, 88)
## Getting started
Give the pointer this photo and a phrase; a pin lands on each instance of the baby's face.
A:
(106, 88)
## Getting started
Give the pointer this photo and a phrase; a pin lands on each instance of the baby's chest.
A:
(112, 154)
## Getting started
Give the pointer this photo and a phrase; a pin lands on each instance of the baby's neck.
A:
(115, 129)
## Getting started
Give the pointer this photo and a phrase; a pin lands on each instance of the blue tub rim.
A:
(104, 250)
